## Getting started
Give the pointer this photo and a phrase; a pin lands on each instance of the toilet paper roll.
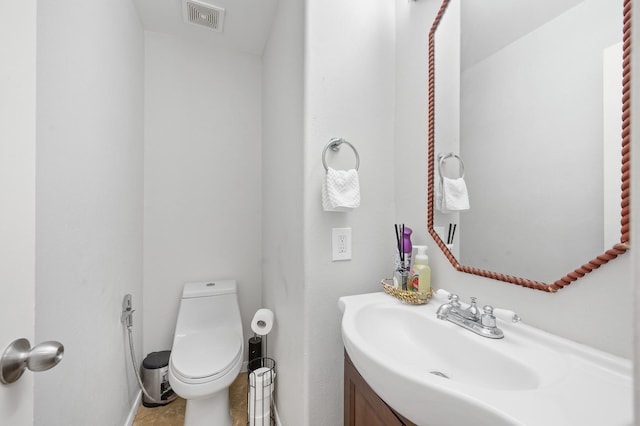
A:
(259, 406)
(262, 322)
(262, 377)
(261, 387)
(260, 420)
(260, 409)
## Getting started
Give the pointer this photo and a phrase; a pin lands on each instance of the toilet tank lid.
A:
(208, 288)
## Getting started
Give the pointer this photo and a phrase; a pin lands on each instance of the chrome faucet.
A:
(470, 318)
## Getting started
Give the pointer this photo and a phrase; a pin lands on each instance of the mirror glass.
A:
(528, 95)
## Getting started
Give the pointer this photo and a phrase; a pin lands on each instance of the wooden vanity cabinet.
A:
(362, 406)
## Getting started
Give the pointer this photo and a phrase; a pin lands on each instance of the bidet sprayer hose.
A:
(135, 365)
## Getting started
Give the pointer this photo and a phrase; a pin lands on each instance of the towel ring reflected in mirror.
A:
(334, 145)
(619, 248)
(441, 159)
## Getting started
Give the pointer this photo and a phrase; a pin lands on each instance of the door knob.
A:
(19, 356)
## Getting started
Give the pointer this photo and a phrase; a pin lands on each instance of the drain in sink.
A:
(437, 373)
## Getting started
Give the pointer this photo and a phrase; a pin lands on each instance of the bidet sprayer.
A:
(127, 312)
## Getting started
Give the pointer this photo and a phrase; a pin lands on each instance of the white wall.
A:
(349, 92)
(282, 191)
(581, 312)
(347, 88)
(17, 194)
(202, 171)
(89, 205)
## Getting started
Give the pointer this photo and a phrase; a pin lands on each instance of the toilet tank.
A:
(209, 304)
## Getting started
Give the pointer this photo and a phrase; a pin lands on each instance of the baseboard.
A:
(134, 409)
(276, 416)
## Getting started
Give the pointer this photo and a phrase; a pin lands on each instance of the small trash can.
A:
(155, 378)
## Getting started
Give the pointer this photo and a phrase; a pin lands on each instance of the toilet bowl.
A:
(207, 351)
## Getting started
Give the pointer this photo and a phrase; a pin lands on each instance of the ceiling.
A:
(246, 24)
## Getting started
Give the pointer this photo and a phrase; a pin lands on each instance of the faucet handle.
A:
(487, 319)
(506, 315)
(473, 309)
(454, 300)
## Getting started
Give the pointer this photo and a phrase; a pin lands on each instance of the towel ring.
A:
(442, 157)
(334, 144)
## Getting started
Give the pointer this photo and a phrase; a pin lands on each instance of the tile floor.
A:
(173, 414)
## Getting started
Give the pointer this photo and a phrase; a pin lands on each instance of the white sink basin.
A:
(528, 378)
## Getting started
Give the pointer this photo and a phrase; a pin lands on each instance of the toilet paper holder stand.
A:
(261, 372)
(260, 392)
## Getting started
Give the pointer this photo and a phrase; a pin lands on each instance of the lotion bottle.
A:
(420, 277)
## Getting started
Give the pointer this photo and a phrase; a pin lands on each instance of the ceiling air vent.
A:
(203, 14)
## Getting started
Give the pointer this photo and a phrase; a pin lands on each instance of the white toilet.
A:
(207, 351)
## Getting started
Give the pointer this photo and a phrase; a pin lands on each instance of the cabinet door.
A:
(362, 407)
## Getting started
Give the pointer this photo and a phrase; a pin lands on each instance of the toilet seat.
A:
(206, 355)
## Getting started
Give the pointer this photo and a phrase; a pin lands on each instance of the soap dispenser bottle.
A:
(420, 276)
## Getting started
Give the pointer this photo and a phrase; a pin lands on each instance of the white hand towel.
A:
(451, 195)
(340, 190)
